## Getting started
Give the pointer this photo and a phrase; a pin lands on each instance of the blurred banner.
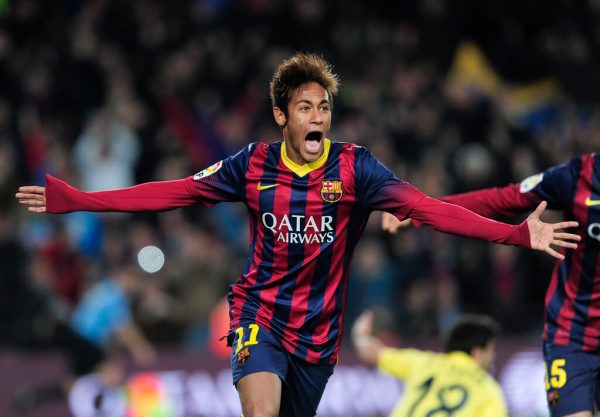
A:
(197, 384)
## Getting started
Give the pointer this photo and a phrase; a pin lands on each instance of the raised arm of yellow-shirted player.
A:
(372, 351)
(402, 363)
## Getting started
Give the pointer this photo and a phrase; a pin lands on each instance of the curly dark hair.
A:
(298, 70)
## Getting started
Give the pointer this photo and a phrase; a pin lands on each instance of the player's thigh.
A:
(260, 394)
(303, 388)
(258, 365)
(570, 381)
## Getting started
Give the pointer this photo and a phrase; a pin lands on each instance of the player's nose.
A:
(316, 116)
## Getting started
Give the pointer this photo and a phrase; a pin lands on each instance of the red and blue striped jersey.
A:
(572, 313)
(305, 221)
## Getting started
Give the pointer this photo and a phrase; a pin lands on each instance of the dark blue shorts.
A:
(572, 379)
(255, 349)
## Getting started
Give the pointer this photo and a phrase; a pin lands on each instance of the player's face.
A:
(307, 122)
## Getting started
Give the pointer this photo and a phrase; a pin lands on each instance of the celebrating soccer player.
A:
(572, 319)
(308, 199)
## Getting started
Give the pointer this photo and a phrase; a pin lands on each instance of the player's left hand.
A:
(543, 235)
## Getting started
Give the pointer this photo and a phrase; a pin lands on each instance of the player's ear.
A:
(280, 118)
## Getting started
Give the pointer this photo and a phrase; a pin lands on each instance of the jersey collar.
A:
(302, 170)
(463, 358)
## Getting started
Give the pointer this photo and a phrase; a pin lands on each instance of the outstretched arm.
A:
(497, 201)
(532, 233)
(60, 197)
(367, 346)
(222, 181)
(487, 202)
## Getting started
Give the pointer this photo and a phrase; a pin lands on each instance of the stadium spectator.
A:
(102, 320)
(106, 153)
(454, 383)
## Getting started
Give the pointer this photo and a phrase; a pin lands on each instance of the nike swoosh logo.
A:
(589, 202)
(265, 187)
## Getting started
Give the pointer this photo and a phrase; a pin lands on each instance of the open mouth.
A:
(312, 142)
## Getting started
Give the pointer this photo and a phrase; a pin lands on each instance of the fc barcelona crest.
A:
(553, 398)
(243, 356)
(331, 191)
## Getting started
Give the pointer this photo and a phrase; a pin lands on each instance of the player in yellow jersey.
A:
(455, 383)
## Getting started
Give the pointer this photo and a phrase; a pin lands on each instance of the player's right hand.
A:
(542, 235)
(34, 197)
(391, 224)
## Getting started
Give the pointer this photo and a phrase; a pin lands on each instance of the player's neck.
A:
(303, 169)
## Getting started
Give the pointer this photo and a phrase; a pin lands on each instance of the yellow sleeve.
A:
(402, 363)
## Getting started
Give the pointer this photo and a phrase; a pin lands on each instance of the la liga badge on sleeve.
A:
(209, 171)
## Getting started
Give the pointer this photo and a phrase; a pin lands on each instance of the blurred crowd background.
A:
(453, 96)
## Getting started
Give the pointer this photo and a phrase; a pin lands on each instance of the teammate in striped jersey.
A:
(571, 335)
(308, 200)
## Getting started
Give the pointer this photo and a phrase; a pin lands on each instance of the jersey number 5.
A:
(556, 376)
(251, 339)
